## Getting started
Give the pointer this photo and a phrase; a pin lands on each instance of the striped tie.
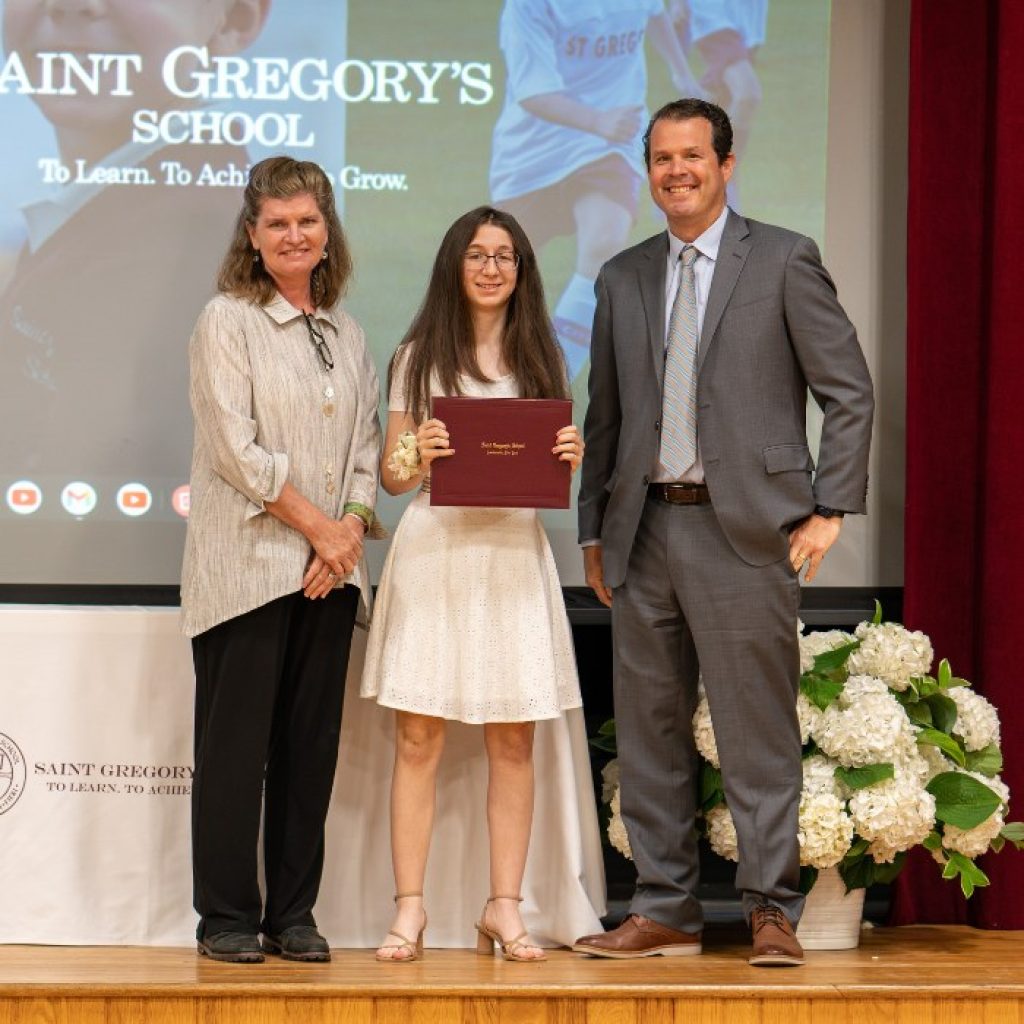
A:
(679, 397)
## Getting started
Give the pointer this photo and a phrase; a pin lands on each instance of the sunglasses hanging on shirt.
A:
(319, 342)
(323, 350)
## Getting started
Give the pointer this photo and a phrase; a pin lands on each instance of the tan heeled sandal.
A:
(415, 948)
(487, 939)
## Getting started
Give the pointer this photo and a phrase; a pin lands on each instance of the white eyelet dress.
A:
(469, 621)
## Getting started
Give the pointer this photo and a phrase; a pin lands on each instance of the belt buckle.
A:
(689, 494)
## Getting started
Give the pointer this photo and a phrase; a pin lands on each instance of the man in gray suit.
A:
(698, 510)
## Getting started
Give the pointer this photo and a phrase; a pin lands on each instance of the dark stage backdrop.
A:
(964, 570)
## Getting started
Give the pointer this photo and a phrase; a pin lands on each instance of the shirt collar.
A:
(282, 311)
(706, 243)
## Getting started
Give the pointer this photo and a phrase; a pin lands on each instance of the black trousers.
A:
(269, 691)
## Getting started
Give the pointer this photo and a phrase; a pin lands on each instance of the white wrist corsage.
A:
(404, 461)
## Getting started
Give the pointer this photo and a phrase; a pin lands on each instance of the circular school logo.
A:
(12, 773)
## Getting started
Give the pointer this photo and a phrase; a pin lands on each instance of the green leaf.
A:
(808, 876)
(943, 711)
(859, 874)
(946, 678)
(919, 712)
(711, 792)
(818, 690)
(827, 661)
(996, 845)
(971, 876)
(978, 876)
(962, 800)
(716, 799)
(876, 619)
(987, 761)
(605, 738)
(710, 778)
(932, 841)
(867, 775)
(925, 686)
(886, 873)
(857, 850)
(946, 744)
(1013, 832)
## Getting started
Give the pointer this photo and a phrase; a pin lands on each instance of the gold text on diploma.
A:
(502, 447)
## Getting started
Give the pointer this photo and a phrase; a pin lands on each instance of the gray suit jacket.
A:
(773, 328)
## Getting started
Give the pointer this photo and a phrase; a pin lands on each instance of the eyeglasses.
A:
(504, 261)
(319, 342)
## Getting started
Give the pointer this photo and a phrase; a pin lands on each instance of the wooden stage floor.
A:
(915, 975)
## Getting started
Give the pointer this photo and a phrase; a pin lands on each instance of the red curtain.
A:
(964, 563)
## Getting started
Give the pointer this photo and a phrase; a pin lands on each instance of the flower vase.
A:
(832, 916)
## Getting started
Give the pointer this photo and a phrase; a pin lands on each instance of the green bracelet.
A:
(358, 509)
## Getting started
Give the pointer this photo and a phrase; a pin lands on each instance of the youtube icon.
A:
(134, 499)
(24, 497)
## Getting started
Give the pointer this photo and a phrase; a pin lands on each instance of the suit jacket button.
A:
(657, 424)
(646, 481)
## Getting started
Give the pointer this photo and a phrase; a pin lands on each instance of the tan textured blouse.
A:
(266, 411)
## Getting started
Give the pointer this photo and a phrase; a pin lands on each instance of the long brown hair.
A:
(441, 342)
(281, 177)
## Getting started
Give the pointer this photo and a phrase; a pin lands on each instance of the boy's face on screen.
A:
(147, 28)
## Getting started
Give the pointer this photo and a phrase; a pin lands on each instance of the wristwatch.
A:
(828, 513)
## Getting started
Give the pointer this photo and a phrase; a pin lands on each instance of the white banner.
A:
(95, 783)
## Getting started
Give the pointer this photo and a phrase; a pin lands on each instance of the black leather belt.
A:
(680, 494)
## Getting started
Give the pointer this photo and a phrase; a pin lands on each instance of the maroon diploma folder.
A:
(503, 455)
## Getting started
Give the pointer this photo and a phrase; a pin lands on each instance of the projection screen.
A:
(130, 127)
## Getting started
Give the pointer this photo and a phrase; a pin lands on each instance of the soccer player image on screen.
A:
(727, 34)
(565, 158)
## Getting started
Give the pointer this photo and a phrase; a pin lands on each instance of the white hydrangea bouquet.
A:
(893, 758)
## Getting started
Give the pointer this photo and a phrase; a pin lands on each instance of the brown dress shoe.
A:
(775, 944)
(639, 936)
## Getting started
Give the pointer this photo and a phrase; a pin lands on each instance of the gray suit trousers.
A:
(690, 607)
